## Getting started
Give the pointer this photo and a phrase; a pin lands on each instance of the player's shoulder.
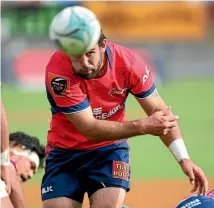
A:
(59, 63)
(122, 54)
(125, 56)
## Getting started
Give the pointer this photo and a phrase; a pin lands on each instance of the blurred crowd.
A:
(25, 26)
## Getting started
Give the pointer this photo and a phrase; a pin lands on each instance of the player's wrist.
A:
(140, 127)
(179, 150)
(5, 158)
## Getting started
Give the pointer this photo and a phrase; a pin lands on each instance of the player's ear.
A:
(103, 45)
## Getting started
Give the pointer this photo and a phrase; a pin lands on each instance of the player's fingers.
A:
(164, 112)
(167, 110)
(165, 131)
(169, 125)
(191, 176)
(201, 188)
(172, 118)
(195, 187)
(205, 185)
(203, 181)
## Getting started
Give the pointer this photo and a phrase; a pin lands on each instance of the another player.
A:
(198, 201)
(5, 181)
(27, 155)
(87, 142)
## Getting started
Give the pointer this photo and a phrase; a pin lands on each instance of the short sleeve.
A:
(141, 80)
(64, 88)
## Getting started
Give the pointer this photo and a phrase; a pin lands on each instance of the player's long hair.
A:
(28, 142)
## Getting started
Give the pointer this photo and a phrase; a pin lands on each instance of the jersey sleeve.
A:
(141, 80)
(64, 88)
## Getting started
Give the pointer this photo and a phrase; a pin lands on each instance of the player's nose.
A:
(84, 61)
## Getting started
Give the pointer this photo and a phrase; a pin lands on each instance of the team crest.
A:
(58, 85)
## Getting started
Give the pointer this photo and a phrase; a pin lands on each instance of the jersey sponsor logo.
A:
(98, 112)
(60, 85)
(192, 204)
(146, 76)
(114, 91)
(120, 170)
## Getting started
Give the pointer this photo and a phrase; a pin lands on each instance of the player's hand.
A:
(196, 176)
(6, 177)
(159, 123)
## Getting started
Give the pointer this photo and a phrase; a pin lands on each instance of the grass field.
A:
(192, 100)
(154, 171)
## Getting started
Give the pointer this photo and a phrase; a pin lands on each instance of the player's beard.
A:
(96, 69)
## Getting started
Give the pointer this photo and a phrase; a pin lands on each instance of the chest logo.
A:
(115, 91)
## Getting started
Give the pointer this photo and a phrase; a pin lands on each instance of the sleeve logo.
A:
(59, 85)
(146, 76)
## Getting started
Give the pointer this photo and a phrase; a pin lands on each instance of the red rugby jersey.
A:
(69, 93)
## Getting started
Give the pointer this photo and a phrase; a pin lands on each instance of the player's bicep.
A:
(141, 79)
(152, 103)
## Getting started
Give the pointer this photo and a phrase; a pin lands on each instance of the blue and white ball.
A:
(76, 30)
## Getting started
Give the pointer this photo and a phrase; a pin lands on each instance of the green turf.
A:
(192, 100)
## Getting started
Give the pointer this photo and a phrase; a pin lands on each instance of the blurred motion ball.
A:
(75, 30)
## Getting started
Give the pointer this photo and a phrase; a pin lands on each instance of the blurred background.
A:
(176, 37)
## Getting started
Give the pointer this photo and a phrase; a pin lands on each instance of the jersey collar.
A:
(108, 51)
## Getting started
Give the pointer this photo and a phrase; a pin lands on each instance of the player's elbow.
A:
(92, 130)
(86, 124)
(91, 133)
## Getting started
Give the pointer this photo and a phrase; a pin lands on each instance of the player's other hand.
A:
(159, 123)
(196, 176)
(6, 177)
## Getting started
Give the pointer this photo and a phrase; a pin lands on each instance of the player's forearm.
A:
(4, 130)
(174, 141)
(172, 135)
(102, 130)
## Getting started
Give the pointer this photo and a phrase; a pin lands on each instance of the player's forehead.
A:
(94, 49)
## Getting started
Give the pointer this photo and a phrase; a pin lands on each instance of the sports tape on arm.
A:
(178, 149)
(5, 158)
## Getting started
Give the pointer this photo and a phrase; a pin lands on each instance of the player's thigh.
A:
(60, 180)
(61, 202)
(109, 177)
(110, 197)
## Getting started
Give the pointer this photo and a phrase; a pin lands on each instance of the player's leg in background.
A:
(109, 197)
(61, 202)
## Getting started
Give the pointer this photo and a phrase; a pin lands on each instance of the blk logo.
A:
(47, 189)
